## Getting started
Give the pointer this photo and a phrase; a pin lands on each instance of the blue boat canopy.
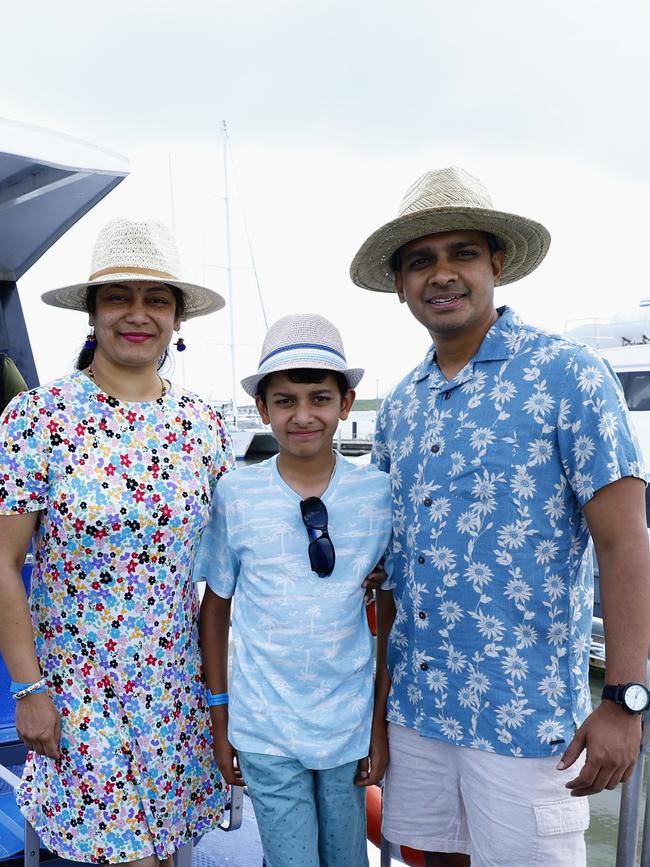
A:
(47, 182)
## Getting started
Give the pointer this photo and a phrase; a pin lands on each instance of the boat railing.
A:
(632, 796)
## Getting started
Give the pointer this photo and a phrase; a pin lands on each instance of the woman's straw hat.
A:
(442, 201)
(142, 250)
(304, 340)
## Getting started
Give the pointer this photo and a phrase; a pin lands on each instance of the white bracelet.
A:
(33, 687)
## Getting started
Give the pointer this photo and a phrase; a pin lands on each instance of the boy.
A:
(292, 540)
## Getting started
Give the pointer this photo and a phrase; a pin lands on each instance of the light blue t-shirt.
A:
(302, 672)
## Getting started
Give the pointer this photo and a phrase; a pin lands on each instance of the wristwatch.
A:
(633, 697)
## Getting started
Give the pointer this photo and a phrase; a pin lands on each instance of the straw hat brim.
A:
(524, 241)
(250, 383)
(199, 301)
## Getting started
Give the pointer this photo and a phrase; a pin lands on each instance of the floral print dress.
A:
(123, 491)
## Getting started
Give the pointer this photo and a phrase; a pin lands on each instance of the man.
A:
(507, 447)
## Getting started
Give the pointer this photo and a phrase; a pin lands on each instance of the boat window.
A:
(636, 386)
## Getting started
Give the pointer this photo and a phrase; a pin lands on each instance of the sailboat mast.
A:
(231, 300)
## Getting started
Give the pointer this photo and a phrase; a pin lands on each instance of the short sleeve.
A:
(225, 459)
(389, 569)
(380, 454)
(24, 456)
(597, 441)
(215, 561)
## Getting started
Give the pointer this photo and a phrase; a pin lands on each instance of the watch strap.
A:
(613, 692)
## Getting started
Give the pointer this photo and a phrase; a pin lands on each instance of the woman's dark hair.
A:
(85, 357)
(395, 261)
(305, 375)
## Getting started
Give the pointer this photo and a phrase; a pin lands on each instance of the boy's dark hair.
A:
(85, 357)
(395, 261)
(308, 375)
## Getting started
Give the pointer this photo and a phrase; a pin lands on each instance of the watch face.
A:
(636, 697)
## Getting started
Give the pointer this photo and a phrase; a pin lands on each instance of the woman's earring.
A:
(180, 344)
(91, 340)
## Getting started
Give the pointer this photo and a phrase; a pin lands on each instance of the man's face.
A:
(448, 279)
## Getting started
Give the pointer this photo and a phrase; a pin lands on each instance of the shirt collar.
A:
(497, 345)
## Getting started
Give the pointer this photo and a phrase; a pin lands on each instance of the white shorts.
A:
(500, 810)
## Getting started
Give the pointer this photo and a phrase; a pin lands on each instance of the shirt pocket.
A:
(482, 479)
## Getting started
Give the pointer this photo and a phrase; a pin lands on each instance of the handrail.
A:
(235, 810)
(628, 823)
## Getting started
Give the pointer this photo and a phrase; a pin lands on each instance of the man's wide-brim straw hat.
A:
(304, 340)
(443, 201)
(136, 250)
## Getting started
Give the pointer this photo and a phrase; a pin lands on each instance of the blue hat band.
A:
(302, 355)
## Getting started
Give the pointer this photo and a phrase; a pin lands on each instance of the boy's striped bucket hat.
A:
(303, 340)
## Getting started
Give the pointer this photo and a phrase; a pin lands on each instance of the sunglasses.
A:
(321, 550)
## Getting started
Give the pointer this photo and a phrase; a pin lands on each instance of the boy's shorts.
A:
(500, 810)
(306, 818)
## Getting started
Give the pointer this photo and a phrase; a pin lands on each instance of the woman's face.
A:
(134, 322)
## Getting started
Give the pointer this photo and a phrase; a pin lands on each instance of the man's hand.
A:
(228, 761)
(373, 581)
(612, 738)
(372, 768)
(39, 724)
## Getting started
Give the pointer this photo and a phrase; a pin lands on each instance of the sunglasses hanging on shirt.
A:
(321, 550)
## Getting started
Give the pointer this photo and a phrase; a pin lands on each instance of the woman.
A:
(111, 470)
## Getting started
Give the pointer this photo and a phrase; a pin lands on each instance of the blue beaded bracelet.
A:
(218, 699)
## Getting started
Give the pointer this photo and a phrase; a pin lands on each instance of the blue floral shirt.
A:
(492, 567)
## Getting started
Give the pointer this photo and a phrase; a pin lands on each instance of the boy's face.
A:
(304, 415)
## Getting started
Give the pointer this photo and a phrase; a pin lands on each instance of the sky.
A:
(333, 109)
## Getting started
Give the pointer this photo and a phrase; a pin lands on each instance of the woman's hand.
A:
(228, 761)
(39, 724)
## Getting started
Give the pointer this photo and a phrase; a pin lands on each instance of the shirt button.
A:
(435, 448)
(422, 615)
(422, 560)
(427, 502)
(424, 666)
(447, 395)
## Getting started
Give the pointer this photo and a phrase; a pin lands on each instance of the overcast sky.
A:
(334, 108)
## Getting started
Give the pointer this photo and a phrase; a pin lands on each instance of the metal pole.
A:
(645, 752)
(171, 194)
(231, 300)
(385, 859)
(628, 822)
